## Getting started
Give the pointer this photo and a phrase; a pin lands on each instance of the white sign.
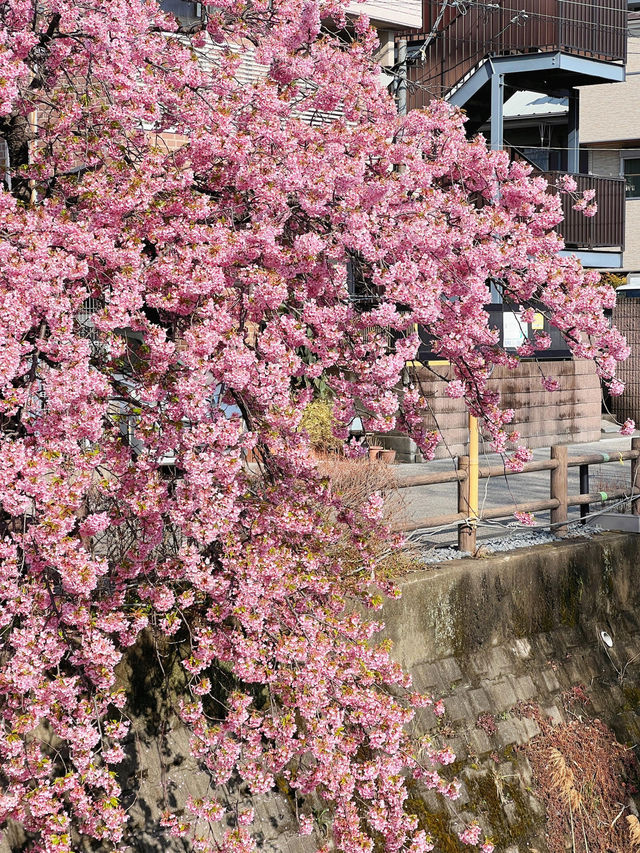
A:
(514, 331)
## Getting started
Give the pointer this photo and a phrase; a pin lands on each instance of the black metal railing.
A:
(605, 230)
(466, 34)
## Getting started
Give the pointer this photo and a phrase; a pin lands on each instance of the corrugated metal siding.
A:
(608, 163)
(400, 13)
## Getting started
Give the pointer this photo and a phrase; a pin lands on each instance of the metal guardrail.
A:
(606, 228)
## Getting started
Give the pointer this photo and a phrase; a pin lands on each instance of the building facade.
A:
(477, 55)
(480, 56)
(520, 74)
(610, 135)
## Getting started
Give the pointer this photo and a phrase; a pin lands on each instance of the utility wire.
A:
(523, 146)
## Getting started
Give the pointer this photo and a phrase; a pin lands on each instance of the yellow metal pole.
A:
(473, 472)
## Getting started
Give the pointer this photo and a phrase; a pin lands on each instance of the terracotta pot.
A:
(388, 456)
(375, 451)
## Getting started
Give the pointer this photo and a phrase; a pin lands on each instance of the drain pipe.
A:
(402, 77)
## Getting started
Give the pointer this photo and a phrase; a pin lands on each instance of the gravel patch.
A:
(509, 542)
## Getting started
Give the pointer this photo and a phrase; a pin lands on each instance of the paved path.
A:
(422, 501)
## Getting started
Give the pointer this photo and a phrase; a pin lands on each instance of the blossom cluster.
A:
(166, 310)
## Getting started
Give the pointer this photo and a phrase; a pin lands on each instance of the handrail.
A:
(484, 473)
(559, 499)
(589, 28)
(602, 458)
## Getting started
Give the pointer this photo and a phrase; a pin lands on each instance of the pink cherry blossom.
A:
(628, 427)
(550, 384)
(470, 834)
(178, 250)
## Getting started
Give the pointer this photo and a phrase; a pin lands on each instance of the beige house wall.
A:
(605, 163)
(631, 259)
(611, 112)
(610, 119)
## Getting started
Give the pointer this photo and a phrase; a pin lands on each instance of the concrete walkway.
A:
(423, 501)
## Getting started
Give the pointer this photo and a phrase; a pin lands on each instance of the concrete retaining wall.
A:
(521, 627)
(568, 416)
(483, 634)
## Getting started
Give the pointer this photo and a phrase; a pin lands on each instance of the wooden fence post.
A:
(560, 487)
(466, 531)
(635, 477)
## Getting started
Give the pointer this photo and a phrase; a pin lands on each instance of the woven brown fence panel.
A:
(626, 316)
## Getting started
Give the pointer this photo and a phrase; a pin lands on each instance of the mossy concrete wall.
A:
(483, 634)
(524, 627)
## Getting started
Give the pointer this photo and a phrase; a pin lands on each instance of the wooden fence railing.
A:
(559, 498)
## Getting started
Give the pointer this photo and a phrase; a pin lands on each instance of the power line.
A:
(522, 146)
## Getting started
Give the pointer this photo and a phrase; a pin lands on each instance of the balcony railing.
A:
(605, 230)
(596, 29)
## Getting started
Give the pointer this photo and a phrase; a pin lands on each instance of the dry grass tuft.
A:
(583, 775)
(563, 779)
(634, 829)
(353, 481)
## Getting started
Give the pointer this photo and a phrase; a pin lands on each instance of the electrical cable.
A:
(632, 148)
(520, 530)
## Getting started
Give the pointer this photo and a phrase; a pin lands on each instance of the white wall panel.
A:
(399, 13)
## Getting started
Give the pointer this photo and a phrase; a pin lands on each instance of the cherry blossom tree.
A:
(177, 246)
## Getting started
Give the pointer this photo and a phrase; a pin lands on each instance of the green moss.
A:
(632, 697)
(465, 612)
(453, 770)
(437, 824)
(527, 620)
(570, 595)
(509, 752)
(606, 583)
(153, 676)
(488, 794)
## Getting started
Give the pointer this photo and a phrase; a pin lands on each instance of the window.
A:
(631, 172)
(181, 8)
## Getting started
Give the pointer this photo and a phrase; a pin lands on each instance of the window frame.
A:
(631, 154)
